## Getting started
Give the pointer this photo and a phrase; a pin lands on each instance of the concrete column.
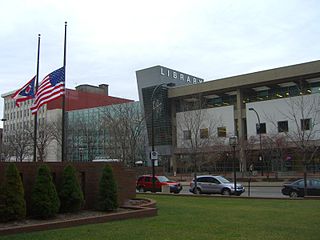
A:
(240, 129)
(173, 159)
(173, 164)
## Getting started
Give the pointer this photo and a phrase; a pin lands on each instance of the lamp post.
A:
(260, 155)
(152, 131)
(233, 143)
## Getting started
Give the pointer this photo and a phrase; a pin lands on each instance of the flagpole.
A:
(36, 115)
(64, 95)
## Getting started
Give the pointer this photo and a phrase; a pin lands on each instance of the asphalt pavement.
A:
(257, 189)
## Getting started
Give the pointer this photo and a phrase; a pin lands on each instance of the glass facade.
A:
(161, 115)
(282, 92)
(205, 101)
(87, 136)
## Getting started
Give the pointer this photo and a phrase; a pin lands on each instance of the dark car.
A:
(144, 183)
(215, 184)
(296, 188)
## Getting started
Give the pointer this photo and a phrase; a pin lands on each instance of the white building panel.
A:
(287, 109)
(210, 118)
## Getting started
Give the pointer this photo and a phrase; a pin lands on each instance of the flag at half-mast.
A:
(25, 93)
(50, 88)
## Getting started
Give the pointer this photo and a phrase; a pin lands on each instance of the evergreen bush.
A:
(44, 198)
(12, 202)
(107, 199)
(70, 194)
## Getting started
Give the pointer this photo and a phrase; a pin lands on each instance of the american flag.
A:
(25, 93)
(51, 88)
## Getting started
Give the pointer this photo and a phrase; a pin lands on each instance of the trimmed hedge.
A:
(70, 194)
(44, 198)
(12, 202)
(107, 199)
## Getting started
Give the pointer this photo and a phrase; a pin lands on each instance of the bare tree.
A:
(275, 147)
(56, 131)
(20, 142)
(125, 127)
(44, 138)
(5, 152)
(197, 133)
(303, 118)
(86, 135)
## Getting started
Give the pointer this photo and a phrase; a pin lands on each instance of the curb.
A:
(232, 197)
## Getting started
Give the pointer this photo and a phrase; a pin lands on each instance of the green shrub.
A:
(12, 203)
(71, 196)
(44, 198)
(107, 199)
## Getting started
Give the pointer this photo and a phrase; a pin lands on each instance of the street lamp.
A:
(152, 131)
(233, 143)
(260, 155)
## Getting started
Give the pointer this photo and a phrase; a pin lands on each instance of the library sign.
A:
(179, 76)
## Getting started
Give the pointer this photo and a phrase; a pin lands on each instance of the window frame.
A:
(204, 133)
(186, 134)
(258, 130)
(222, 133)
(303, 126)
(281, 128)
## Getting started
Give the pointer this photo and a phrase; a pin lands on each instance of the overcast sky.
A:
(109, 40)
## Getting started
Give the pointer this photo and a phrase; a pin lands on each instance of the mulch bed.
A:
(58, 217)
(79, 218)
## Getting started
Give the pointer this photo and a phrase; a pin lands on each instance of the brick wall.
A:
(89, 175)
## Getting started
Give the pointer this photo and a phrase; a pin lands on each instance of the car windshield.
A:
(222, 179)
(163, 179)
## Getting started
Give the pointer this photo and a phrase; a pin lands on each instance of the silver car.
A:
(215, 184)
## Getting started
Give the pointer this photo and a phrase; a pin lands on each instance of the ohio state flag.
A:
(26, 92)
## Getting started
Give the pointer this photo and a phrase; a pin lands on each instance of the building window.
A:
(283, 126)
(204, 133)
(187, 135)
(262, 128)
(305, 124)
(222, 132)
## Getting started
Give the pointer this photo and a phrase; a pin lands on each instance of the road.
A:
(255, 191)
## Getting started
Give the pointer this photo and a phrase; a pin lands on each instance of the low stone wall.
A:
(133, 213)
(89, 176)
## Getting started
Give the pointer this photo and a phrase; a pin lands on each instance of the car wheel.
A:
(293, 194)
(197, 191)
(141, 189)
(226, 192)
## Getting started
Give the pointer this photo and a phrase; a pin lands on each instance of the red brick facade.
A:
(89, 177)
(81, 100)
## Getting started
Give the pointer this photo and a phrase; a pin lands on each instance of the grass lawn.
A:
(205, 218)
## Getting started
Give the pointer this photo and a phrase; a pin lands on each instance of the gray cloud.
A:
(109, 40)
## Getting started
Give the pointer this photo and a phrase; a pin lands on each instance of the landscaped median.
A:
(134, 208)
(204, 218)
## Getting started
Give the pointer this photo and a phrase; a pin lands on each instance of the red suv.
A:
(144, 183)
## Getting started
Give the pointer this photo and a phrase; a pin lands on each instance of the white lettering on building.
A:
(161, 71)
(175, 75)
(179, 76)
(194, 81)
